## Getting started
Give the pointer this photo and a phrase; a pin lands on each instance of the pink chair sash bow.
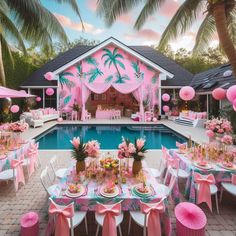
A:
(17, 165)
(32, 155)
(233, 179)
(109, 222)
(181, 145)
(204, 192)
(61, 225)
(173, 162)
(153, 220)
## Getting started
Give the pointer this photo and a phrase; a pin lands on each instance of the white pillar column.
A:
(43, 97)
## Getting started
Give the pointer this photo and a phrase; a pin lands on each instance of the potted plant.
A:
(79, 153)
(138, 155)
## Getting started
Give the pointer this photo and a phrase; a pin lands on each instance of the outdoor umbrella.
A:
(11, 93)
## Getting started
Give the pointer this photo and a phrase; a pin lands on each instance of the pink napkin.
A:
(233, 179)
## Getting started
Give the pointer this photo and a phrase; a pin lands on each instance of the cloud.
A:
(146, 34)
(67, 22)
(92, 4)
(125, 18)
(186, 41)
(169, 8)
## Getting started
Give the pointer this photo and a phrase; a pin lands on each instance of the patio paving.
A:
(32, 197)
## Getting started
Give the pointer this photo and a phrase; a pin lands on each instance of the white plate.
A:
(228, 168)
(144, 194)
(69, 194)
(116, 192)
(206, 167)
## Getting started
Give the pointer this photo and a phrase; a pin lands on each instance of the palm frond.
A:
(181, 21)
(93, 74)
(204, 34)
(110, 10)
(91, 61)
(149, 8)
(74, 6)
(6, 49)
(108, 52)
(120, 64)
(135, 66)
(109, 79)
(33, 20)
(231, 20)
(10, 30)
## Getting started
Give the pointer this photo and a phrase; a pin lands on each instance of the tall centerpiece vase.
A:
(137, 166)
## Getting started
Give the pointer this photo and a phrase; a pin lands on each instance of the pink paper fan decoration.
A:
(187, 93)
(166, 108)
(49, 76)
(15, 108)
(190, 216)
(38, 99)
(166, 97)
(210, 133)
(49, 91)
(219, 94)
(234, 103)
(231, 93)
(234, 107)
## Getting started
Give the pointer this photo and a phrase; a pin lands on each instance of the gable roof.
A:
(208, 80)
(155, 59)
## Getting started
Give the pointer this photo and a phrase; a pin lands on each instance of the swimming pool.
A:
(109, 136)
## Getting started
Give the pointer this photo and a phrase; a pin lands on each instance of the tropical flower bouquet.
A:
(126, 149)
(79, 153)
(138, 155)
(93, 148)
(18, 126)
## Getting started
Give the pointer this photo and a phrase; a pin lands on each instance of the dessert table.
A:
(6, 158)
(104, 114)
(130, 201)
(220, 173)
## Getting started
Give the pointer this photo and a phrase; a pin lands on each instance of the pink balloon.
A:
(38, 99)
(59, 119)
(49, 76)
(154, 119)
(187, 93)
(166, 108)
(234, 103)
(234, 107)
(15, 108)
(49, 91)
(231, 93)
(219, 94)
(166, 97)
(210, 133)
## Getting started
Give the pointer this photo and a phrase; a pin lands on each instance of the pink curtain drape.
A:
(138, 94)
(85, 92)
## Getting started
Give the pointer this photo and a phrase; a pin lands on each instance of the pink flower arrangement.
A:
(219, 126)
(75, 142)
(126, 149)
(18, 126)
(210, 133)
(227, 139)
(92, 148)
(140, 149)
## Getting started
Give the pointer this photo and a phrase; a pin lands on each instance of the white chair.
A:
(180, 172)
(166, 188)
(140, 218)
(76, 220)
(117, 114)
(9, 174)
(230, 188)
(100, 218)
(74, 115)
(59, 172)
(87, 115)
(213, 191)
(49, 187)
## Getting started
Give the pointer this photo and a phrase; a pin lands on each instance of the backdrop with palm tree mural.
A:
(109, 65)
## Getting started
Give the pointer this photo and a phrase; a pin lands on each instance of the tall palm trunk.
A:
(2, 72)
(223, 33)
(118, 72)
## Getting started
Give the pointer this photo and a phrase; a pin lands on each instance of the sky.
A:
(122, 29)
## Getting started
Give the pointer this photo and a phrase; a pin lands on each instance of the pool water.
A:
(109, 136)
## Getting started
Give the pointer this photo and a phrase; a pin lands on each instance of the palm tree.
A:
(30, 21)
(220, 17)
(113, 59)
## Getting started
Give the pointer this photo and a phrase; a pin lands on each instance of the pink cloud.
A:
(147, 34)
(125, 18)
(191, 34)
(67, 22)
(169, 8)
(92, 4)
(151, 18)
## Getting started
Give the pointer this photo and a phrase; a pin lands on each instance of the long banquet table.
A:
(5, 159)
(129, 200)
(221, 174)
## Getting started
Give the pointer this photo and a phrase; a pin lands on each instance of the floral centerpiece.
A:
(79, 153)
(93, 148)
(219, 126)
(227, 139)
(138, 155)
(126, 149)
(18, 126)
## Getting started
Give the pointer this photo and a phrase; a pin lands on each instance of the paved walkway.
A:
(32, 197)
